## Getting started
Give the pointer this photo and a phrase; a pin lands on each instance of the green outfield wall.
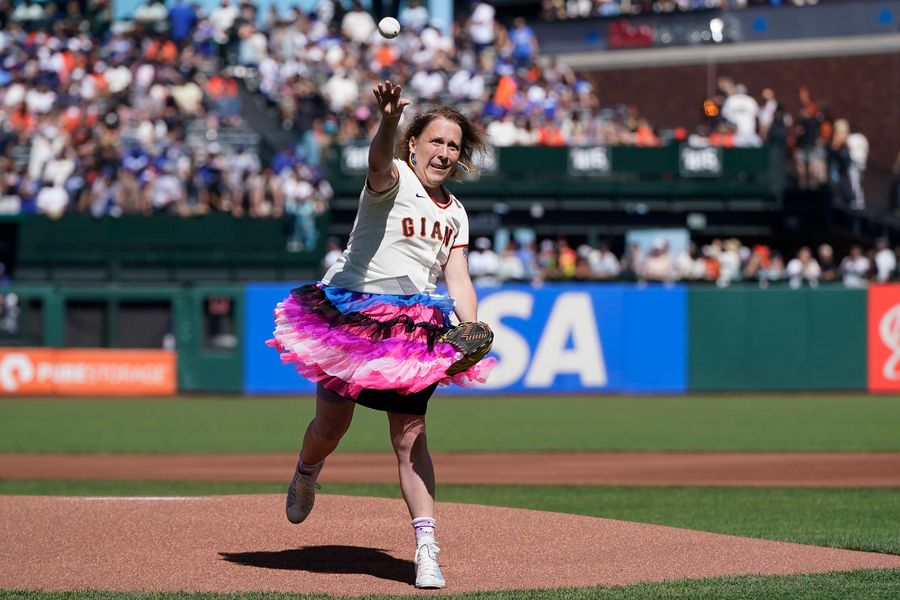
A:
(649, 339)
(776, 339)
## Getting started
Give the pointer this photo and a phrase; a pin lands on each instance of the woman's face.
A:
(437, 152)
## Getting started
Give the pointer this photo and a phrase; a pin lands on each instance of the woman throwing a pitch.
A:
(369, 332)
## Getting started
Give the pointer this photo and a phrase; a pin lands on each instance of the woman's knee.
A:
(330, 428)
(407, 433)
(333, 416)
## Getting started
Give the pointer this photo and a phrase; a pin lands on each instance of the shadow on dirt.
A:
(329, 559)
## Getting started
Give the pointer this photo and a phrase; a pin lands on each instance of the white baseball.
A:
(389, 27)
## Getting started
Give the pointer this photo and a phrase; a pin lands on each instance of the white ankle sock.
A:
(424, 529)
(305, 468)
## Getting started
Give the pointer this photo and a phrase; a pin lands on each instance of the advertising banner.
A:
(569, 338)
(263, 371)
(87, 372)
(884, 338)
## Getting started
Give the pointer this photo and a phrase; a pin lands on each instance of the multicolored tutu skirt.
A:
(352, 341)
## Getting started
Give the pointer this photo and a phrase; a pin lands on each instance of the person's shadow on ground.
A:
(329, 559)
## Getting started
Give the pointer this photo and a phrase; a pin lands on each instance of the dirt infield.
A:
(727, 469)
(355, 546)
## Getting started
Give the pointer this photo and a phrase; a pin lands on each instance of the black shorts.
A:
(386, 400)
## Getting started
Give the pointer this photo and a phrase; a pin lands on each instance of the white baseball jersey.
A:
(400, 240)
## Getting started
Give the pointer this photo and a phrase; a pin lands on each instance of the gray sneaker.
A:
(428, 572)
(301, 494)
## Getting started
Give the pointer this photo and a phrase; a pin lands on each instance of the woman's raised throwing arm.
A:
(382, 174)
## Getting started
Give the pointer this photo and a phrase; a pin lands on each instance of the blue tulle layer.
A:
(348, 301)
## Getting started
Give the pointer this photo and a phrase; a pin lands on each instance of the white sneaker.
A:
(301, 494)
(428, 573)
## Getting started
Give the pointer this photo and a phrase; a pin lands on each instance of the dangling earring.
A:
(463, 167)
(412, 159)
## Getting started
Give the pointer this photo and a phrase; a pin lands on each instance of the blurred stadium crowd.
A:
(579, 9)
(144, 116)
(722, 262)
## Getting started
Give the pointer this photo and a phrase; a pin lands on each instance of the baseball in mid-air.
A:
(389, 27)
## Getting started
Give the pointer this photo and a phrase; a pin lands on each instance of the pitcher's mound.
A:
(356, 546)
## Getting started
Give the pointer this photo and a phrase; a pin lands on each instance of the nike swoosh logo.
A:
(420, 195)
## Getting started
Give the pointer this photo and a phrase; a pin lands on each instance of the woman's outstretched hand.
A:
(389, 101)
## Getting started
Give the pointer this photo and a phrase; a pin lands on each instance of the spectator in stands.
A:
(524, 43)
(52, 200)
(511, 267)
(481, 26)
(803, 268)
(855, 268)
(164, 192)
(809, 153)
(252, 45)
(182, 20)
(633, 261)
(358, 25)
(567, 258)
(658, 264)
(765, 117)
(341, 90)
(885, 261)
(213, 191)
(858, 148)
(484, 264)
(729, 262)
(547, 260)
(582, 264)
(528, 254)
(762, 266)
(779, 131)
(503, 132)
(741, 110)
(269, 198)
(28, 14)
(414, 16)
(224, 97)
(333, 251)
(690, 265)
(103, 197)
(152, 15)
(839, 163)
(300, 205)
(827, 263)
(222, 20)
(603, 263)
(711, 253)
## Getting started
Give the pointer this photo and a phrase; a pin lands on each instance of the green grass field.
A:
(845, 518)
(870, 585)
(619, 423)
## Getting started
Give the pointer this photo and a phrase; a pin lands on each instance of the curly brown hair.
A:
(473, 138)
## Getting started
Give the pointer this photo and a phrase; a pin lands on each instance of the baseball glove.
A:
(473, 339)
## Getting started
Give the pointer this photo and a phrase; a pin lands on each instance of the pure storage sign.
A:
(884, 338)
(100, 372)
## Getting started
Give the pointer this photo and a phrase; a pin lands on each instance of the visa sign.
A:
(618, 338)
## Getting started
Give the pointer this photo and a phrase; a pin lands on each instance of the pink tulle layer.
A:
(347, 360)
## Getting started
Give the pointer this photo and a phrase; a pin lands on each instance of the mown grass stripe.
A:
(463, 424)
(858, 585)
